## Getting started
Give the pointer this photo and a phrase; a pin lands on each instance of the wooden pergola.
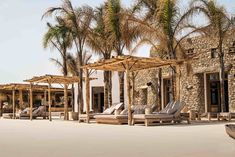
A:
(56, 79)
(25, 87)
(129, 64)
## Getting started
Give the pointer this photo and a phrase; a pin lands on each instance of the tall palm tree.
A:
(74, 66)
(99, 43)
(163, 31)
(123, 33)
(78, 20)
(59, 37)
(217, 26)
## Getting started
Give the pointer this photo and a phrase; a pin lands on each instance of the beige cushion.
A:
(175, 107)
(124, 112)
(168, 106)
(119, 106)
(159, 116)
(109, 110)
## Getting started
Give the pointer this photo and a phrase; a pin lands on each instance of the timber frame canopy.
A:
(128, 64)
(54, 79)
(134, 63)
(25, 86)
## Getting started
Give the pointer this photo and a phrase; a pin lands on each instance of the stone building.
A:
(199, 88)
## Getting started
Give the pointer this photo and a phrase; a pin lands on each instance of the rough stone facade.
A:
(192, 85)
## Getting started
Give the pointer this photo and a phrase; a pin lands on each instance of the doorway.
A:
(167, 92)
(98, 99)
(214, 101)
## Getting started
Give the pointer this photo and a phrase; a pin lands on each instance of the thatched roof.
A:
(119, 63)
(25, 86)
(55, 79)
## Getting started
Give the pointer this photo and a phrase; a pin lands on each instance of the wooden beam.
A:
(13, 102)
(31, 101)
(177, 82)
(87, 95)
(205, 92)
(65, 102)
(20, 99)
(49, 100)
(45, 98)
(128, 93)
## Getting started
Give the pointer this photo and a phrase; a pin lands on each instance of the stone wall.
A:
(192, 73)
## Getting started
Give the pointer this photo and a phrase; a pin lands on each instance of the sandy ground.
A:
(41, 138)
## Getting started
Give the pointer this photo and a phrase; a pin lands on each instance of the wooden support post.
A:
(0, 106)
(45, 98)
(45, 103)
(65, 102)
(31, 101)
(13, 102)
(205, 92)
(162, 93)
(133, 88)
(49, 100)
(178, 82)
(21, 99)
(87, 95)
(128, 94)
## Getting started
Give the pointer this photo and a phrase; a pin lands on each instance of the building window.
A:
(232, 49)
(190, 51)
(214, 53)
(214, 77)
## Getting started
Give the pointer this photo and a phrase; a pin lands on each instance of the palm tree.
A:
(78, 20)
(163, 30)
(74, 66)
(217, 26)
(123, 33)
(99, 43)
(59, 37)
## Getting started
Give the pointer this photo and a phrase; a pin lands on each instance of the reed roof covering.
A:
(119, 63)
(55, 79)
(24, 86)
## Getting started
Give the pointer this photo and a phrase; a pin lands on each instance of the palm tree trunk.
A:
(106, 89)
(110, 89)
(133, 88)
(121, 86)
(72, 101)
(159, 87)
(222, 73)
(80, 87)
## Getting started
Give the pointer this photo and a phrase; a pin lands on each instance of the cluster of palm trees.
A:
(111, 29)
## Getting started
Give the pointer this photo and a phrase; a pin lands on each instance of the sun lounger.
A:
(168, 114)
(230, 129)
(121, 118)
(37, 112)
(225, 116)
(108, 111)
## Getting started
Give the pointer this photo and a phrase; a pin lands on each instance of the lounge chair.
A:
(168, 114)
(37, 112)
(230, 129)
(121, 118)
(108, 111)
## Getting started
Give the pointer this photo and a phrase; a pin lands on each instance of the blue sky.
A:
(21, 32)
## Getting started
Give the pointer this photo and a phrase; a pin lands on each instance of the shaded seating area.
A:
(129, 64)
(19, 97)
(64, 81)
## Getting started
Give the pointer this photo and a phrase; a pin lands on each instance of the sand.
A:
(41, 138)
